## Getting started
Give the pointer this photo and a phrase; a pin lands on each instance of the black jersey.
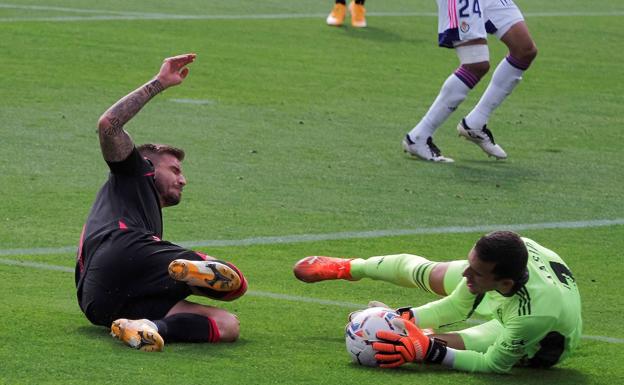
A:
(128, 200)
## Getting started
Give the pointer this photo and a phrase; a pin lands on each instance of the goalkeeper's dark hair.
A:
(507, 250)
(153, 151)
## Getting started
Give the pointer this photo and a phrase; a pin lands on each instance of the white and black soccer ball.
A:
(360, 333)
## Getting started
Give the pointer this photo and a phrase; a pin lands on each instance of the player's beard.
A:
(171, 200)
(168, 197)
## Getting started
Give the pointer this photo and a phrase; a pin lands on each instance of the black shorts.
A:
(126, 276)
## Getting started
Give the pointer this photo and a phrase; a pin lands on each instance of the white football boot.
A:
(211, 274)
(139, 334)
(482, 138)
(424, 149)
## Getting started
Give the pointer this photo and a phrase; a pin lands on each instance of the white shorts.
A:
(462, 20)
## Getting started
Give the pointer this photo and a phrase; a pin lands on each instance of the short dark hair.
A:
(507, 250)
(148, 150)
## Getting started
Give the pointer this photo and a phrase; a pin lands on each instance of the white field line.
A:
(107, 15)
(194, 101)
(300, 238)
(265, 294)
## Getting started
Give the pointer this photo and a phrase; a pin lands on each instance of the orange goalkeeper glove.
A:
(395, 349)
(406, 313)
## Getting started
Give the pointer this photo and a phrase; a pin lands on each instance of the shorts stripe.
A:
(452, 12)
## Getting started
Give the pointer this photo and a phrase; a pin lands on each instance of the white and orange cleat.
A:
(314, 269)
(210, 274)
(358, 15)
(337, 15)
(138, 334)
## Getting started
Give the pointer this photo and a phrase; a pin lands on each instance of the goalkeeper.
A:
(526, 291)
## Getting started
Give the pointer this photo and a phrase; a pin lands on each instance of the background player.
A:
(526, 289)
(356, 8)
(125, 274)
(462, 24)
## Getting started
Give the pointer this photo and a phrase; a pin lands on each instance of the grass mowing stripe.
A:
(130, 16)
(75, 10)
(265, 294)
(350, 235)
(383, 14)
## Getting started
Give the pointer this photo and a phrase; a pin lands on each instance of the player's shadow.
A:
(552, 375)
(97, 334)
(377, 34)
(494, 173)
(91, 331)
(519, 375)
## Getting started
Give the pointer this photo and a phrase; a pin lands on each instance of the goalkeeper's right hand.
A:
(395, 349)
(406, 313)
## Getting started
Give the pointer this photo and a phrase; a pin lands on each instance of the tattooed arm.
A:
(115, 142)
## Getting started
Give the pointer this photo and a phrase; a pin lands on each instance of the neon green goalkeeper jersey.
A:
(539, 324)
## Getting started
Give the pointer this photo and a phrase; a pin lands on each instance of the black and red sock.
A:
(188, 327)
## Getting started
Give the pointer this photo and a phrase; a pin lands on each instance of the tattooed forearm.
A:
(154, 87)
(125, 109)
(114, 140)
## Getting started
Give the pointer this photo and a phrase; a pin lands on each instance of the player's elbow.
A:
(107, 125)
(103, 123)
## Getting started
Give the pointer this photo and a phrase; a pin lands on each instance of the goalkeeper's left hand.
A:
(395, 349)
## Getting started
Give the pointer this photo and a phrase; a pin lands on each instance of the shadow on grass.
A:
(518, 375)
(377, 34)
(97, 334)
(92, 331)
(495, 173)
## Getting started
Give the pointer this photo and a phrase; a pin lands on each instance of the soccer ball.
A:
(361, 330)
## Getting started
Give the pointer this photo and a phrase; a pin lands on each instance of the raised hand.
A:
(173, 70)
(115, 142)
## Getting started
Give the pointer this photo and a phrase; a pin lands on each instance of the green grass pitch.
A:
(295, 130)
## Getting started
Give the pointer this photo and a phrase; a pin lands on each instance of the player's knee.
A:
(531, 53)
(478, 69)
(526, 53)
(229, 327)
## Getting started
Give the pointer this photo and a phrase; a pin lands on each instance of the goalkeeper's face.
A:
(169, 179)
(480, 277)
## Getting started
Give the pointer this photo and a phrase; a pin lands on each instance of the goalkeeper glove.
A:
(394, 350)
(406, 313)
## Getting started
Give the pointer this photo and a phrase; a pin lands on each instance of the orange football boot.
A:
(337, 15)
(358, 15)
(314, 269)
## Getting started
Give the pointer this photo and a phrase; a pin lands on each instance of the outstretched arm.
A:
(115, 142)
